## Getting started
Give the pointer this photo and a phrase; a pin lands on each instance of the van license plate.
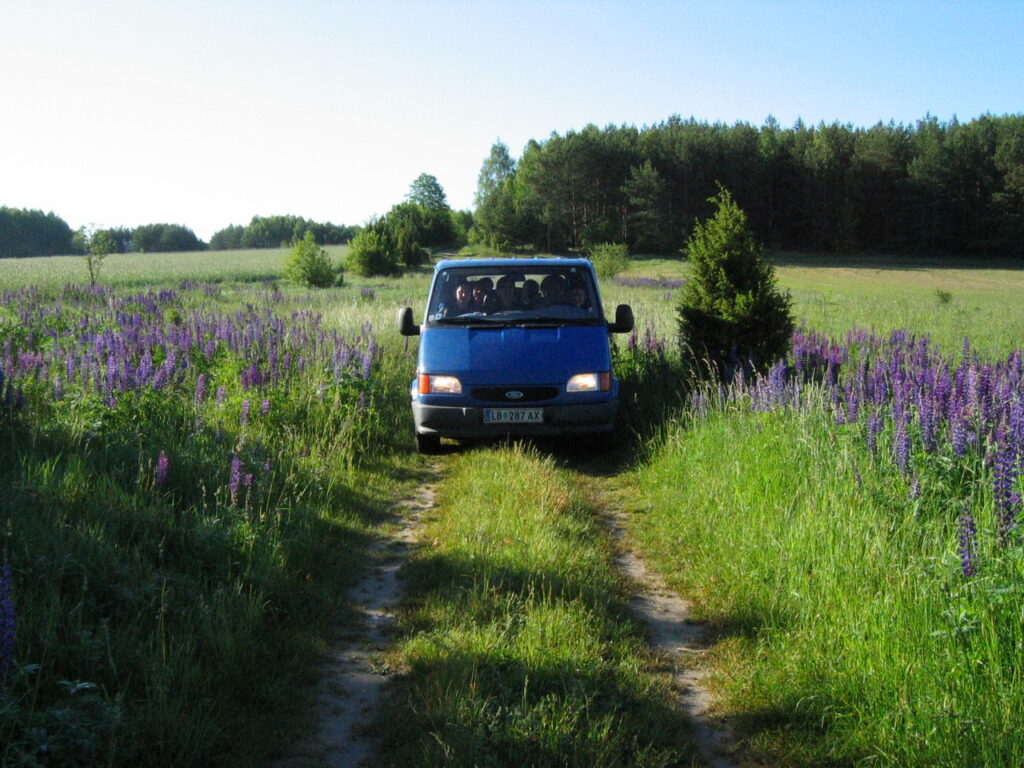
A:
(513, 415)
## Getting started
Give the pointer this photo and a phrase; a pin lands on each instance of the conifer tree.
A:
(731, 313)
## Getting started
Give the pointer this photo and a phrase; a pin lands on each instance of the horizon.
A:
(206, 115)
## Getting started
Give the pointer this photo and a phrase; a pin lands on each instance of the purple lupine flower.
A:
(201, 383)
(145, 370)
(928, 417)
(1007, 500)
(163, 464)
(265, 407)
(243, 416)
(8, 619)
(159, 378)
(221, 395)
(235, 482)
(873, 427)
(368, 356)
(901, 445)
(967, 548)
(958, 435)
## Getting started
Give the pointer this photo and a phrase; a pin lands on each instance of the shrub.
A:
(370, 256)
(609, 258)
(309, 264)
(100, 245)
(731, 313)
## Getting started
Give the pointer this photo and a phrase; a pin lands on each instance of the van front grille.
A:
(501, 394)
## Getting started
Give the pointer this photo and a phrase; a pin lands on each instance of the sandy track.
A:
(679, 642)
(351, 682)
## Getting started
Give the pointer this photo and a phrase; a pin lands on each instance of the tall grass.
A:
(190, 486)
(517, 649)
(863, 571)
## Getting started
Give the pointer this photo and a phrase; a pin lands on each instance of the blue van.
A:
(513, 347)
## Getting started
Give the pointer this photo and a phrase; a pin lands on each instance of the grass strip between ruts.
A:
(517, 647)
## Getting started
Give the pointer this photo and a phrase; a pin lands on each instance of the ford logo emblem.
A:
(514, 395)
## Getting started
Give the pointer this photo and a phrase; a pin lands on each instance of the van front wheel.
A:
(428, 443)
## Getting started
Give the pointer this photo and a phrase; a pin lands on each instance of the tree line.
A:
(937, 187)
(401, 237)
(25, 232)
(279, 232)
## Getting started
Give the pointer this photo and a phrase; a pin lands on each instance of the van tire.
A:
(428, 443)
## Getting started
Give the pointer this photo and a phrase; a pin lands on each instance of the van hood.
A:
(515, 356)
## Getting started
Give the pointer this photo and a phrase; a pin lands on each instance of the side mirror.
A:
(406, 326)
(623, 320)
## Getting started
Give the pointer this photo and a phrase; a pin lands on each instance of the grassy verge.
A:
(848, 631)
(191, 478)
(517, 651)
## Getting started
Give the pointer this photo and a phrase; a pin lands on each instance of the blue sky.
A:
(204, 113)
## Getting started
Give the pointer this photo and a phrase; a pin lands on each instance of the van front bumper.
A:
(468, 421)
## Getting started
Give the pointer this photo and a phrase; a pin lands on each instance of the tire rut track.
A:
(677, 641)
(352, 679)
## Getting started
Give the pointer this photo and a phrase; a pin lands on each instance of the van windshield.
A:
(510, 295)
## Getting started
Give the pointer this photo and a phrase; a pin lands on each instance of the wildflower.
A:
(874, 426)
(967, 548)
(901, 445)
(163, 464)
(201, 383)
(222, 393)
(243, 417)
(1007, 499)
(371, 351)
(145, 370)
(265, 407)
(235, 483)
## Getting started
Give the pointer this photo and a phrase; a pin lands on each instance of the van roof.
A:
(507, 262)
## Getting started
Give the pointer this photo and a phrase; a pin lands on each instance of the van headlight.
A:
(431, 384)
(590, 382)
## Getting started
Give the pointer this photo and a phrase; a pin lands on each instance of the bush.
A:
(731, 313)
(370, 256)
(310, 265)
(608, 258)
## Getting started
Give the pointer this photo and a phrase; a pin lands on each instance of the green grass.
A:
(946, 298)
(846, 633)
(178, 625)
(142, 269)
(198, 622)
(517, 650)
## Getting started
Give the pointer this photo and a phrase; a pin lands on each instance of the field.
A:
(199, 455)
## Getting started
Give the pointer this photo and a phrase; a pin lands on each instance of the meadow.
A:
(197, 455)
